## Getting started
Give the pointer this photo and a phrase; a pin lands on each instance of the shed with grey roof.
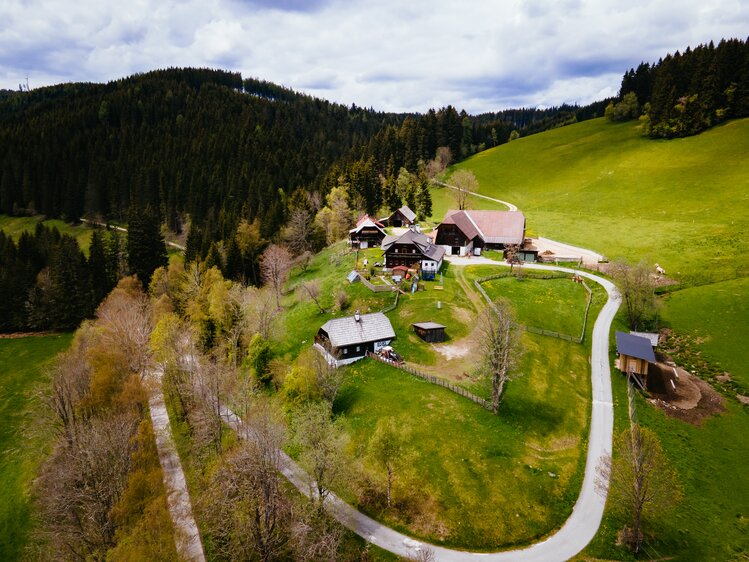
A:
(348, 339)
(635, 354)
(430, 331)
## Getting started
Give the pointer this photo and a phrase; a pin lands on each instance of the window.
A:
(413, 251)
(357, 349)
(345, 350)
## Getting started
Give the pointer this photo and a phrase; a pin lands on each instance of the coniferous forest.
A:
(237, 164)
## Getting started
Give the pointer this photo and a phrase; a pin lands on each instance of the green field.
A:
(550, 304)
(17, 225)
(682, 203)
(477, 480)
(22, 364)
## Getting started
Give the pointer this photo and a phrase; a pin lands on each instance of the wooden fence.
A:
(533, 329)
(394, 305)
(375, 288)
(434, 380)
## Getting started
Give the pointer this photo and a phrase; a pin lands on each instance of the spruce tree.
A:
(145, 244)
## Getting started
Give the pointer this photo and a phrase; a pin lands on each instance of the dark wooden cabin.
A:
(430, 331)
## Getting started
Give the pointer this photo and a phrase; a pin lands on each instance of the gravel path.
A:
(186, 534)
(510, 206)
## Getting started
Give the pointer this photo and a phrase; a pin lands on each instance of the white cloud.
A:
(390, 55)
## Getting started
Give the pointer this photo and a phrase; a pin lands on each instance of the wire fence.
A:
(533, 329)
(434, 380)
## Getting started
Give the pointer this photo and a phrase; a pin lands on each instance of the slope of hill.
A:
(681, 203)
(685, 204)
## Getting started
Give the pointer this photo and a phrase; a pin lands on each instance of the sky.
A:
(391, 55)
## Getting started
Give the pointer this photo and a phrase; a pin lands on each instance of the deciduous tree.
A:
(274, 267)
(464, 183)
(638, 291)
(499, 346)
(388, 448)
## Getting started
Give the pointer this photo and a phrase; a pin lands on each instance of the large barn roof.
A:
(634, 346)
(494, 227)
(369, 328)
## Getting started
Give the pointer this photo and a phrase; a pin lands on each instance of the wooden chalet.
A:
(402, 217)
(368, 233)
(345, 340)
(413, 249)
(430, 331)
(467, 232)
(635, 355)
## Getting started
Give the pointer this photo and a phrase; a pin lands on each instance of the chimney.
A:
(357, 318)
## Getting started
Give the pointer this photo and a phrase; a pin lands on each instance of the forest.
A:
(686, 93)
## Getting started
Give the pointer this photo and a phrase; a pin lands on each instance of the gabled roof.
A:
(494, 227)
(422, 242)
(370, 328)
(364, 222)
(634, 346)
(407, 213)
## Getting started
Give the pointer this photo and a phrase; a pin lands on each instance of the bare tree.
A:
(499, 346)
(315, 535)
(638, 291)
(274, 268)
(80, 484)
(641, 483)
(442, 160)
(322, 442)
(312, 288)
(299, 231)
(464, 183)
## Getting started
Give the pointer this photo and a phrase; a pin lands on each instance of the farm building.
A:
(635, 354)
(345, 340)
(402, 217)
(463, 233)
(368, 233)
(412, 248)
(430, 331)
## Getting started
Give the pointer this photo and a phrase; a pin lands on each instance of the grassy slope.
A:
(21, 367)
(684, 204)
(16, 225)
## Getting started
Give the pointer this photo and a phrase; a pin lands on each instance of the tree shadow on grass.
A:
(532, 416)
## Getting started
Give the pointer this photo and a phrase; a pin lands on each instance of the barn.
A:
(430, 331)
(348, 339)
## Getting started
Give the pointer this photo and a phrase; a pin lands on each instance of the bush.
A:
(342, 300)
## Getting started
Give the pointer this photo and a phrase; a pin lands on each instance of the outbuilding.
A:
(430, 331)
(635, 355)
(348, 339)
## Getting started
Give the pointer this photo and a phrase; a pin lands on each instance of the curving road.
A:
(586, 516)
(510, 206)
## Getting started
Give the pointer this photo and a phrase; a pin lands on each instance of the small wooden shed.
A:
(635, 354)
(430, 331)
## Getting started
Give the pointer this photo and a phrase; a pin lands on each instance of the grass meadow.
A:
(14, 226)
(22, 362)
(684, 204)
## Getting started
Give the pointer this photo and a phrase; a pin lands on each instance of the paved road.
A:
(586, 516)
(507, 204)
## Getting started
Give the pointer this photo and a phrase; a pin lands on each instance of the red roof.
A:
(494, 227)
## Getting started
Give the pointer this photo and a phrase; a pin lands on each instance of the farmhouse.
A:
(467, 232)
(411, 248)
(430, 331)
(345, 340)
(368, 233)
(402, 217)
(635, 354)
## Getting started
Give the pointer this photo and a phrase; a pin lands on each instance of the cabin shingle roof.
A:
(422, 242)
(494, 227)
(347, 331)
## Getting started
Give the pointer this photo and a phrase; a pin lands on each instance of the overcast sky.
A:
(406, 55)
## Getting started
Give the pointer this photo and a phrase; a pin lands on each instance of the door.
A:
(364, 244)
(455, 251)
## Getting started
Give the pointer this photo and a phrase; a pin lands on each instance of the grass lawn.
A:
(550, 304)
(682, 203)
(17, 225)
(718, 317)
(476, 480)
(22, 364)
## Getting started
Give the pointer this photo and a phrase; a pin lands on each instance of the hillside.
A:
(684, 204)
(681, 203)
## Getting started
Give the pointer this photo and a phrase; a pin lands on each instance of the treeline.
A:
(686, 93)
(48, 283)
